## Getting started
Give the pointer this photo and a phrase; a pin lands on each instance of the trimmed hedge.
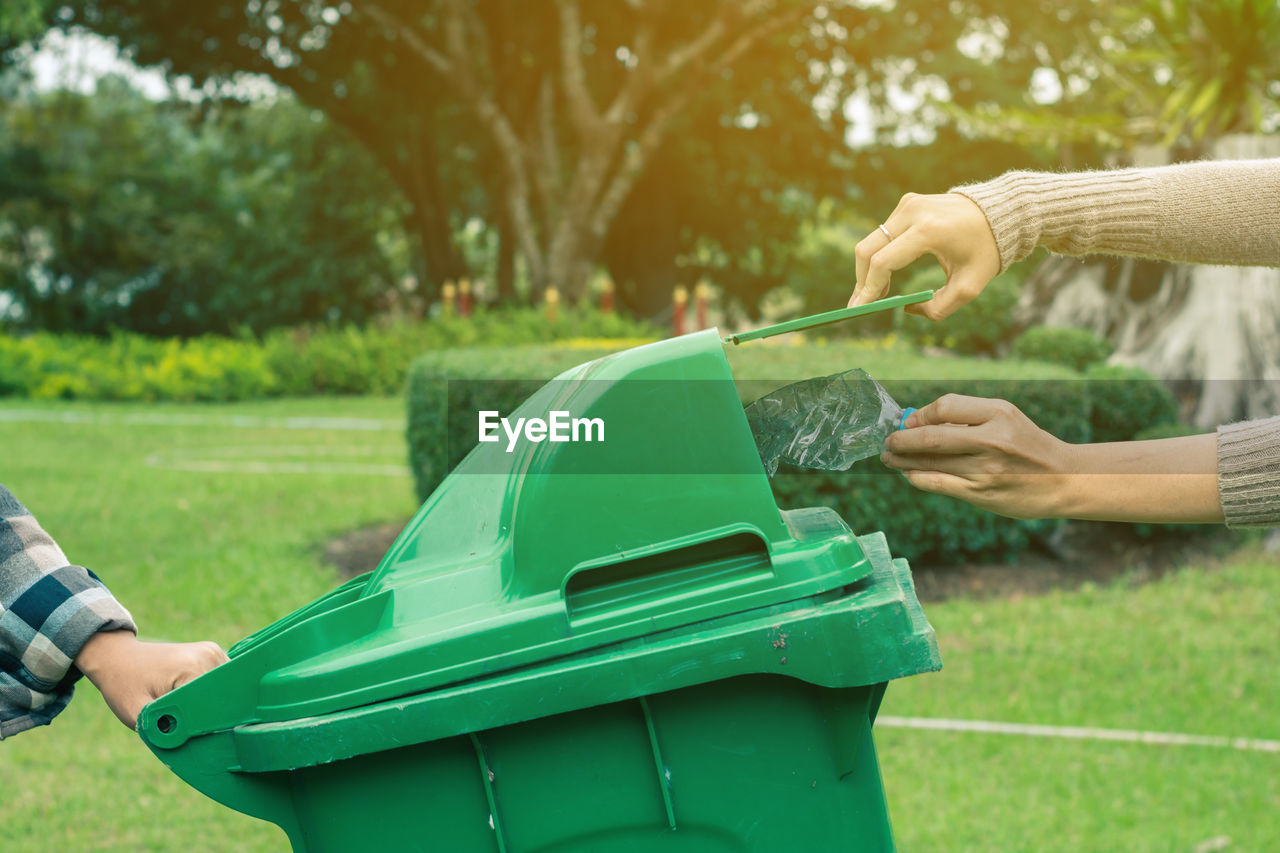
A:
(441, 413)
(921, 526)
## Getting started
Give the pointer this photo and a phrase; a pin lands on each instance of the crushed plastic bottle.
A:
(828, 422)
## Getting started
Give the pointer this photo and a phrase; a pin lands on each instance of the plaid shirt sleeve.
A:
(48, 610)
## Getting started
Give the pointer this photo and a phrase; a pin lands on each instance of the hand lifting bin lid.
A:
(504, 574)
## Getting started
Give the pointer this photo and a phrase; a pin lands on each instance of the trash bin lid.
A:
(867, 634)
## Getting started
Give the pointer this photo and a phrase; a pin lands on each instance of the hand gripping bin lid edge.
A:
(547, 580)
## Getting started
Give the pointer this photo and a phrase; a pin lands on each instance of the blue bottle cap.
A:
(906, 413)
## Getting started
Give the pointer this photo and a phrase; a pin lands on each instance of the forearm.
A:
(52, 609)
(1213, 212)
(1167, 480)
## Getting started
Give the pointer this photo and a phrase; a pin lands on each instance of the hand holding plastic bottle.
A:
(989, 453)
(983, 451)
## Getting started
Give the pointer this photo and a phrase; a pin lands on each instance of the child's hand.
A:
(130, 673)
(986, 452)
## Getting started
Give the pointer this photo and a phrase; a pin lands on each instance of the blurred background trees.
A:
(386, 147)
(653, 141)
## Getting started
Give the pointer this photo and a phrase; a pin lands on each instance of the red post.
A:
(679, 298)
(464, 297)
(700, 296)
(552, 300)
(606, 295)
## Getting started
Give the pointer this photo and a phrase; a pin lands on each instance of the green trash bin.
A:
(619, 645)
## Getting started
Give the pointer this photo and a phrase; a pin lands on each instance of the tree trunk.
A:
(440, 261)
(415, 170)
(1210, 330)
(1225, 335)
(506, 269)
(641, 249)
(571, 255)
(429, 219)
(560, 225)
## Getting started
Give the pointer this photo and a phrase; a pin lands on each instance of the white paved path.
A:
(1079, 733)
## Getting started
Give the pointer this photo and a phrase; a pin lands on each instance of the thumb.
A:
(961, 288)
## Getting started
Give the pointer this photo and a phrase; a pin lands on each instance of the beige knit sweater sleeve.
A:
(1219, 212)
(1211, 212)
(1249, 473)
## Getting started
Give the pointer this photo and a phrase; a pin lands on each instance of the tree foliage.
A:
(1178, 73)
(545, 121)
(1212, 63)
(117, 212)
(20, 20)
(669, 141)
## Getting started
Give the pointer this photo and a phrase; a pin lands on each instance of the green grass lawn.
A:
(217, 554)
(1195, 652)
(194, 556)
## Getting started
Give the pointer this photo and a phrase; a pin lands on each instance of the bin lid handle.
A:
(816, 320)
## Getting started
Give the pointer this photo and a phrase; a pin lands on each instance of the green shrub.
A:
(307, 360)
(981, 327)
(376, 359)
(133, 367)
(206, 369)
(1127, 400)
(346, 360)
(17, 373)
(1074, 348)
